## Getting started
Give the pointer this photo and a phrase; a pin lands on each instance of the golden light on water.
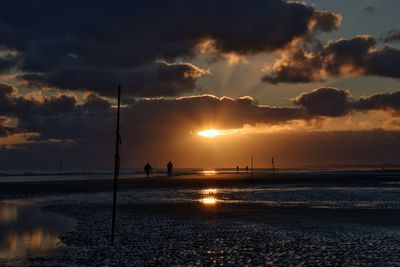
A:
(208, 196)
(209, 191)
(209, 200)
(210, 133)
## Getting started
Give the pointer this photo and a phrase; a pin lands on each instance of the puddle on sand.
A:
(26, 230)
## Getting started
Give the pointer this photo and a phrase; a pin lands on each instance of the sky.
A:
(313, 82)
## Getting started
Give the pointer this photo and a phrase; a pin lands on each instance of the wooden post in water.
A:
(116, 168)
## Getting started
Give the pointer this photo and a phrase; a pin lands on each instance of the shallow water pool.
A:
(26, 230)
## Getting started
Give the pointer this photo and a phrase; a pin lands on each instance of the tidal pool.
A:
(26, 230)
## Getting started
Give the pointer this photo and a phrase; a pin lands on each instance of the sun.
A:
(210, 133)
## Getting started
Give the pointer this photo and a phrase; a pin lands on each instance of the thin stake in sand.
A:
(116, 168)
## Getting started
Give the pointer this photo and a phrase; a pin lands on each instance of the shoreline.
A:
(32, 188)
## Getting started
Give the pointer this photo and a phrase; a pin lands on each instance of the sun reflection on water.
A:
(208, 196)
(209, 191)
(209, 200)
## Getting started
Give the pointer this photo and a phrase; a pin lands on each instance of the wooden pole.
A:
(116, 169)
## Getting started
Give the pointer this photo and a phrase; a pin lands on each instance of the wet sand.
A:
(362, 178)
(346, 219)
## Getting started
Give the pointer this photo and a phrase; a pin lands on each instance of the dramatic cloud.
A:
(63, 126)
(62, 117)
(326, 21)
(357, 56)
(333, 102)
(391, 36)
(95, 45)
(157, 79)
(210, 111)
(6, 64)
(382, 101)
(325, 101)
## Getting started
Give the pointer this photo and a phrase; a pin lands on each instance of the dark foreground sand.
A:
(347, 219)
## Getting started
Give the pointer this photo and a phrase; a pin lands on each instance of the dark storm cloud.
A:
(5, 93)
(82, 40)
(5, 128)
(206, 109)
(62, 117)
(157, 79)
(382, 101)
(391, 36)
(333, 102)
(325, 101)
(359, 55)
(15, 105)
(6, 64)
(32, 114)
(385, 62)
(326, 21)
(5, 90)
(298, 68)
(75, 129)
(92, 120)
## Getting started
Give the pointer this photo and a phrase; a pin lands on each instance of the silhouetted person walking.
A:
(247, 169)
(169, 168)
(237, 169)
(147, 169)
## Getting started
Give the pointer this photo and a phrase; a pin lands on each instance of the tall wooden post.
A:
(116, 168)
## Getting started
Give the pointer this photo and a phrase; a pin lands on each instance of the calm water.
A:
(26, 230)
(32, 176)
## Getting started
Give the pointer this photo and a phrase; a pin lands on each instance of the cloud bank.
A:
(357, 56)
(95, 45)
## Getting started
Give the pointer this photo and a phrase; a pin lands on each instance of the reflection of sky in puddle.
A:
(25, 230)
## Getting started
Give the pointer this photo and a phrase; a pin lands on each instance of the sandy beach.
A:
(294, 219)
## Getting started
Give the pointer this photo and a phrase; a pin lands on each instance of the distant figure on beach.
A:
(247, 169)
(169, 167)
(237, 169)
(147, 169)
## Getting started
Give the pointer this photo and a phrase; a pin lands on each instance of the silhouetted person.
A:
(247, 169)
(147, 169)
(169, 168)
(237, 169)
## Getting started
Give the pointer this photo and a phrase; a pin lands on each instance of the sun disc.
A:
(211, 133)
